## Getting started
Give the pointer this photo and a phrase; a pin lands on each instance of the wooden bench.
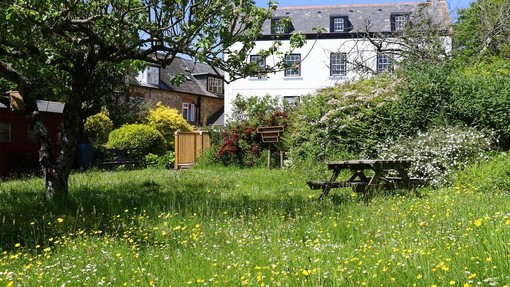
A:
(121, 156)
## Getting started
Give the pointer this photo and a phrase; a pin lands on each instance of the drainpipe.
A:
(199, 122)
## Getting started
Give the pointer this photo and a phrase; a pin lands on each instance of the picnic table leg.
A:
(327, 186)
(407, 183)
(369, 189)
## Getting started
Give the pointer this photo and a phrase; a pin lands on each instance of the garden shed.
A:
(18, 145)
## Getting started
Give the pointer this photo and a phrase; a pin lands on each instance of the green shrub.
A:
(486, 176)
(97, 128)
(258, 111)
(423, 98)
(165, 160)
(141, 136)
(167, 120)
(437, 153)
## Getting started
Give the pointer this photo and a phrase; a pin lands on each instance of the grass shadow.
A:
(110, 202)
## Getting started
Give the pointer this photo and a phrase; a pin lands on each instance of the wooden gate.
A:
(189, 146)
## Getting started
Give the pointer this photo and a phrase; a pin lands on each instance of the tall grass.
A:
(251, 227)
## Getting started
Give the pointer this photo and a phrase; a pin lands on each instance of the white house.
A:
(331, 56)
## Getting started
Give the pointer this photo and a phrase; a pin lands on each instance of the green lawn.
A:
(247, 227)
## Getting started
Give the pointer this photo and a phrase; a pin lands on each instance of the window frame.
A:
(338, 26)
(346, 26)
(386, 66)
(188, 111)
(5, 132)
(153, 75)
(261, 63)
(293, 72)
(280, 25)
(292, 101)
(400, 24)
(342, 65)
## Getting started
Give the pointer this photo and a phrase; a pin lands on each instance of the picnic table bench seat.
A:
(387, 183)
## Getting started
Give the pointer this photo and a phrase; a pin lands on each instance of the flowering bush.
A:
(341, 120)
(439, 151)
(167, 120)
(240, 143)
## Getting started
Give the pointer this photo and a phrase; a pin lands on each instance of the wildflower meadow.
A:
(223, 226)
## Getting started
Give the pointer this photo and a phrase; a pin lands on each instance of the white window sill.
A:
(338, 77)
(292, 78)
(258, 79)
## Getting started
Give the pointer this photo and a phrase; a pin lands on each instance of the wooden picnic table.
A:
(369, 175)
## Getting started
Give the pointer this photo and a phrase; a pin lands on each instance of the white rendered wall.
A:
(315, 72)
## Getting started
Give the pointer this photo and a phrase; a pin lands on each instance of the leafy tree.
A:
(482, 30)
(52, 49)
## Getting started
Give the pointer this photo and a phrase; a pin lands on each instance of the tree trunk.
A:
(57, 174)
(56, 168)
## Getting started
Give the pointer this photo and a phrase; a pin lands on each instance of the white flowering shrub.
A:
(341, 120)
(437, 153)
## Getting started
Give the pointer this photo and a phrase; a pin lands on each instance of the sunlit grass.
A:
(251, 227)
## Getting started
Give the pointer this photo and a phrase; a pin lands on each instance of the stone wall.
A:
(208, 106)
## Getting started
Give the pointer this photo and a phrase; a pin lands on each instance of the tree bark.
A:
(56, 167)
(57, 174)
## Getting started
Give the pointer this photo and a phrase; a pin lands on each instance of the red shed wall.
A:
(19, 153)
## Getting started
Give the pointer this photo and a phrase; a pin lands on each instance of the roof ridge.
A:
(353, 5)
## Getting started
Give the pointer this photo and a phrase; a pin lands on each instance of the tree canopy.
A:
(62, 49)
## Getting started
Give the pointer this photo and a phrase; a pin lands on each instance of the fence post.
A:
(176, 149)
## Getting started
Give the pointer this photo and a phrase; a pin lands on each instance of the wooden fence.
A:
(189, 146)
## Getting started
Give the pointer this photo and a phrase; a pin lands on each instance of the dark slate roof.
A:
(305, 18)
(196, 78)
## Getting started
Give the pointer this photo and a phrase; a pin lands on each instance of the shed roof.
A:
(42, 105)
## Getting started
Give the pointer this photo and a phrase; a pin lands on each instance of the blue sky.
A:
(453, 5)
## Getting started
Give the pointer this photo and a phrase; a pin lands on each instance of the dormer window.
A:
(399, 21)
(281, 25)
(153, 75)
(339, 24)
(215, 85)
